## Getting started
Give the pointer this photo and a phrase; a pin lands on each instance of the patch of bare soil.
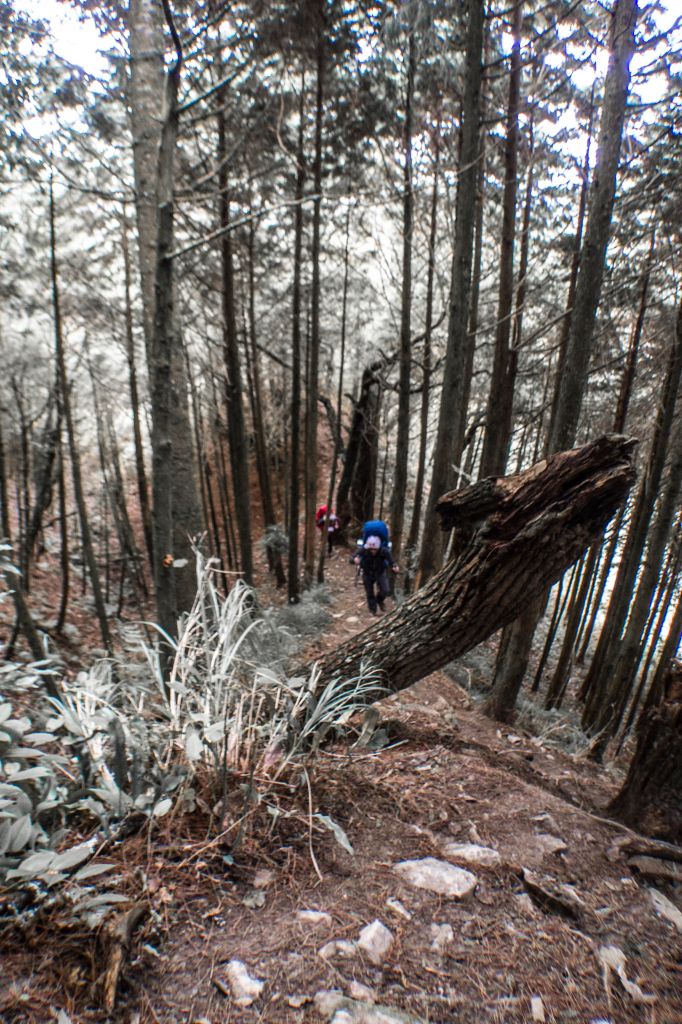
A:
(524, 946)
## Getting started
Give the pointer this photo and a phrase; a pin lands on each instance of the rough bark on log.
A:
(515, 537)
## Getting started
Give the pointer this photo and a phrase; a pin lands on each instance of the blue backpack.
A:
(375, 528)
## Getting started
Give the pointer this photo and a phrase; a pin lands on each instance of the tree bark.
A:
(145, 101)
(293, 582)
(500, 397)
(233, 373)
(413, 535)
(650, 797)
(608, 648)
(311, 475)
(452, 414)
(398, 494)
(572, 381)
(141, 473)
(76, 475)
(515, 537)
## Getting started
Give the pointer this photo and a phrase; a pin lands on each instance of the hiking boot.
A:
(381, 606)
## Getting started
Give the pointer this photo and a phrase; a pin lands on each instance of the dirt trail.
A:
(517, 948)
(448, 774)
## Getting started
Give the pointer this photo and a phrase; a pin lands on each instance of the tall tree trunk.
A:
(500, 397)
(608, 648)
(175, 498)
(559, 681)
(575, 266)
(399, 492)
(141, 473)
(45, 480)
(616, 688)
(658, 616)
(145, 101)
(64, 560)
(572, 381)
(650, 796)
(233, 373)
(165, 341)
(293, 589)
(13, 582)
(86, 537)
(413, 535)
(339, 395)
(314, 347)
(452, 414)
(262, 454)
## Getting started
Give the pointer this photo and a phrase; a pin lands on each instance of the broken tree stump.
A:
(515, 536)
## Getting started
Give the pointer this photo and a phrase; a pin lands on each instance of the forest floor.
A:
(529, 943)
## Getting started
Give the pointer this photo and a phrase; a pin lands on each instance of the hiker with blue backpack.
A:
(374, 560)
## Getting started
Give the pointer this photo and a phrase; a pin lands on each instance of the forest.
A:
(274, 270)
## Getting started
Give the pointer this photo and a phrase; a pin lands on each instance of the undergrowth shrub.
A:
(229, 732)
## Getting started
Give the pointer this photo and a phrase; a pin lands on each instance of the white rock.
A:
(525, 904)
(313, 917)
(399, 908)
(339, 1010)
(263, 878)
(666, 908)
(549, 843)
(537, 1010)
(438, 876)
(328, 1000)
(362, 992)
(472, 853)
(338, 947)
(375, 941)
(298, 1000)
(245, 989)
(441, 936)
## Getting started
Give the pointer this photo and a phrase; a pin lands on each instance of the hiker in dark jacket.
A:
(375, 561)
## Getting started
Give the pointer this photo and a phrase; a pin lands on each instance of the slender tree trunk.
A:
(141, 473)
(86, 538)
(608, 648)
(294, 461)
(399, 492)
(13, 582)
(651, 792)
(452, 413)
(263, 461)
(43, 490)
(616, 688)
(339, 394)
(145, 102)
(413, 535)
(233, 373)
(659, 614)
(670, 650)
(559, 681)
(572, 380)
(575, 266)
(501, 395)
(64, 560)
(311, 474)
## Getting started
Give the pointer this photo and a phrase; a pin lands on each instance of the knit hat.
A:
(373, 543)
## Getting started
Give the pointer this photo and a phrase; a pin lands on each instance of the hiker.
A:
(374, 559)
(331, 521)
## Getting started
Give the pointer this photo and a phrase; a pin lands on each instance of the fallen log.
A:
(515, 536)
